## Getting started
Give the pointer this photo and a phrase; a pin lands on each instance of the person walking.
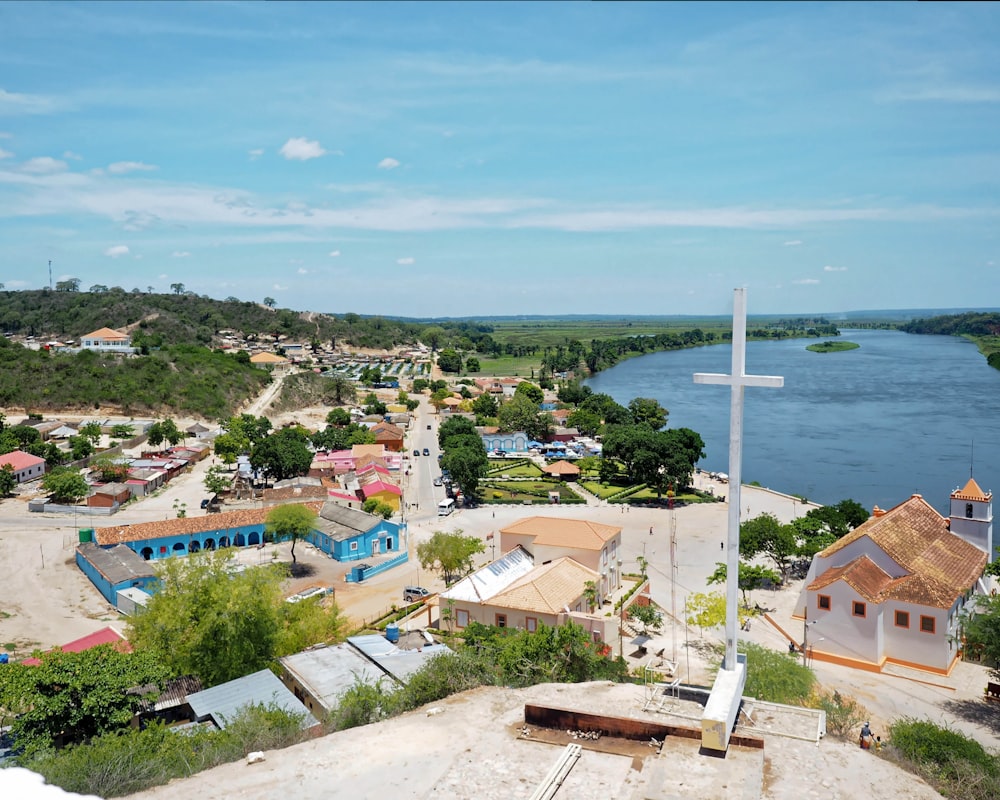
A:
(650, 530)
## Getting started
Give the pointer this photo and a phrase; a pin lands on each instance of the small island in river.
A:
(832, 347)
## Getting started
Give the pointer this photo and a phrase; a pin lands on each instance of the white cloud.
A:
(279, 288)
(14, 103)
(946, 94)
(256, 153)
(5, 153)
(793, 243)
(302, 271)
(405, 261)
(180, 254)
(117, 250)
(43, 165)
(388, 163)
(71, 156)
(15, 284)
(334, 254)
(301, 149)
(5, 135)
(828, 268)
(163, 276)
(806, 282)
(124, 167)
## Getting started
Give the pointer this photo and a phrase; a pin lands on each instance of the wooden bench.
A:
(993, 691)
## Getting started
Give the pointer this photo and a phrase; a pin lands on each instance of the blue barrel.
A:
(392, 632)
(4, 658)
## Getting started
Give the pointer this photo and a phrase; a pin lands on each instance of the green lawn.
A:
(604, 491)
(521, 491)
(528, 469)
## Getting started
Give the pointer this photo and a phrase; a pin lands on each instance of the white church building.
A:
(892, 589)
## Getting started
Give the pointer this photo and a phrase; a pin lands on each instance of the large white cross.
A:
(738, 380)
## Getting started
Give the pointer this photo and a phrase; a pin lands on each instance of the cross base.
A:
(719, 716)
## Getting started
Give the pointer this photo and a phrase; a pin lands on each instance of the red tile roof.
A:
(940, 565)
(19, 460)
(186, 526)
(380, 486)
(103, 636)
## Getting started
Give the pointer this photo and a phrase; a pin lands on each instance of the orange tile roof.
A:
(863, 575)
(547, 589)
(561, 468)
(186, 526)
(971, 491)
(106, 333)
(940, 564)
(561, 532)
(267, 358)
(376, 450)
(19, 460)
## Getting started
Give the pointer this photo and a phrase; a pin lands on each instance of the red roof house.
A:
(104, 636)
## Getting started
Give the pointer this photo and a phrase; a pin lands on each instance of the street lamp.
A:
(805, 639)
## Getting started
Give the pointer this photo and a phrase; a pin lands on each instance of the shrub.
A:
(942, 752)
(844, 715)
(775, 677)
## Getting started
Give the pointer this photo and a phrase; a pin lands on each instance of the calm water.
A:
(877, 424)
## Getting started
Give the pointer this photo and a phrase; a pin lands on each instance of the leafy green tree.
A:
(109, 469)
(449, 361)
(980, 625)
(454, 431)
(291, 521)
(646, 410)
(485, 406)
(92, 431)
(80, 447)
(374, 406)
(705, 609)
(450, 554)
(765, 535)
(608, 470)
(519, 413)
(342, 438)
(65, 485)
(378, 507)
(8, 481)
(209, 622)
(468, 465)
(283, 454)
(587, 422)
(751, 576)
(122, 430)
(529, 390)
(420, 384)
(433, 337)
(69, 285)
(171, 433)
(75, 696)
(217, 480)
(472, 364)
(269, 302)
(573, 392)
(605, 406)
(338, 416)
(438, 397)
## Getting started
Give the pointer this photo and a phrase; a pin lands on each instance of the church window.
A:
(968, 510)
(902, 619)
(927, 624)
(859, 609)
(823, 602)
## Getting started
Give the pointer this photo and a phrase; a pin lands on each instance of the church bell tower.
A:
(972, 517)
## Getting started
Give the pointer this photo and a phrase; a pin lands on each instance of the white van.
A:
(445, 507)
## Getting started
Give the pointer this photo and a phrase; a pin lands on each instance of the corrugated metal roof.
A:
(117, 564)
(340, 522)
(328, 672)
(224, 702)
(493, 578)
(393, 660)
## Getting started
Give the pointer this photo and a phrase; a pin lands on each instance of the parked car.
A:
(427, 452)
(416, 453)
(428, 427)
(437, 481)
(412, 594)
(205, 502)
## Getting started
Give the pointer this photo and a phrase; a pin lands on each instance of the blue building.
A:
(348, 534)
(345, 534)
(114, 569)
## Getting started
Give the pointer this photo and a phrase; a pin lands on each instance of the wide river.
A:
(902, 414)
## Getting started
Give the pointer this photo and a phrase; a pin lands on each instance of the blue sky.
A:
(429, 159)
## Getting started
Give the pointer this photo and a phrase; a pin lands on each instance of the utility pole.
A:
(673, 587)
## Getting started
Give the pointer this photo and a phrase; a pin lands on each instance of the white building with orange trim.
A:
(891, 590)
(106, 340)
